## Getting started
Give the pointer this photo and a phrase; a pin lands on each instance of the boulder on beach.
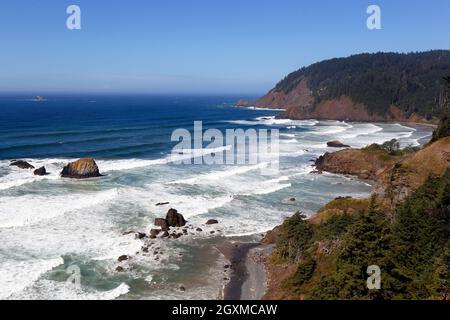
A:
(40, 172)
(175, 219)
(81, 169)
(21, 164)
(212, 221)
(337, 144)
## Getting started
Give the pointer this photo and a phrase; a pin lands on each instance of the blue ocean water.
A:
(49, 224)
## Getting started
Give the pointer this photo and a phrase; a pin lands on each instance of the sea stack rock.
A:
(175, 219)
(242, 103)
(337, 144)
(21, 164)
(40, 172)
(81, 169)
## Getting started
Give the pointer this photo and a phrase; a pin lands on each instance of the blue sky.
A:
(198, 46)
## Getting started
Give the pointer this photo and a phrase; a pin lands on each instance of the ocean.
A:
(51, 226)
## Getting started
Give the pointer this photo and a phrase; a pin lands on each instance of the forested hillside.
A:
(381, 86)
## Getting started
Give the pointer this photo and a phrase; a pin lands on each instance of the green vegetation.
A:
(412, 82)
(411, 245)
(443, 129)
(391, 147)
(304, 272)
(296, 234)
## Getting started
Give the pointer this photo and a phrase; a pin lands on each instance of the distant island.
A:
(38, 98)
(365, 87)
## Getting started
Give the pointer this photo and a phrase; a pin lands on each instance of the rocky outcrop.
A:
(40, 172)
(21, 164)
(365, 165)
(175, 219)
(81, 169)
(337, 144)
(242, 103)
(162, 223)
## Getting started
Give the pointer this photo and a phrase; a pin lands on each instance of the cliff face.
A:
(367, 87)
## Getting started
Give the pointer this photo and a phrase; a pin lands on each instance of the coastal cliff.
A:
(365, 87)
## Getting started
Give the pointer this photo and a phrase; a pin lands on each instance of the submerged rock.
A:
(337, 144)
(81, 169)
(21, 164)
(40, 172)
(120, 269)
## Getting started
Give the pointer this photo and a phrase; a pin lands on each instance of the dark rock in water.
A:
(162, 223)
(212, 221)
(176, 235)
(185, 231)
(337, 144)
(21, 164)
(122, 258)
(161, 204)
(40, 172)
(127, 232)
(154, 233)
(292, 200)
(320, 161)
(199, 229)
(81, 169)
(140, 235)
(120, 269)
(182, 288)
(212, 232)
(175, 219)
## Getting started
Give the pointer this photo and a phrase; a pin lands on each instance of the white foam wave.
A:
(18, 275)
(219, 175)
(57, 290)
(30, 209)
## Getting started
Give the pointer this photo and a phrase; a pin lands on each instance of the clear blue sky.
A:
(198, 46)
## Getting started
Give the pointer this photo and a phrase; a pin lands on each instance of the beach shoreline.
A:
(247, 277)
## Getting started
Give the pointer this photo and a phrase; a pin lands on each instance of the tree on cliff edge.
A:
(443, 129)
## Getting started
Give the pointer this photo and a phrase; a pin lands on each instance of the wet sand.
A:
(247, 277)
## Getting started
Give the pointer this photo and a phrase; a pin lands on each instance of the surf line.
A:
(235, 147)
